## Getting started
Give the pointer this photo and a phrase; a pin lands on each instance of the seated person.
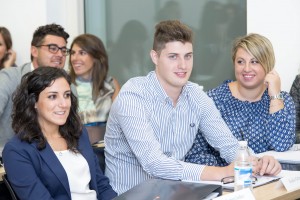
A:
(7, 54)
(95, 88)
(50, 157)
(253, 106)
(295, 93)
(155, 118)
(48, 48)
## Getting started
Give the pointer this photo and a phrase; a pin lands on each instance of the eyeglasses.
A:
(53, 48)
(230, 179)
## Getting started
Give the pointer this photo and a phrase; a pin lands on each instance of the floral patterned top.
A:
(250, 121)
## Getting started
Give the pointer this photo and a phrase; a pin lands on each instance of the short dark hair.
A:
(25, 117)
(50, 29)
(8, 43)
(169, 31)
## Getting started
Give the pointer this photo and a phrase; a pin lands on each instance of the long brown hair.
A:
(95, 48)
(8, 43)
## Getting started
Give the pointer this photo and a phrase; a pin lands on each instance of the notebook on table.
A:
(292, 156)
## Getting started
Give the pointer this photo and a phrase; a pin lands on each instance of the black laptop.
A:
(160, 189)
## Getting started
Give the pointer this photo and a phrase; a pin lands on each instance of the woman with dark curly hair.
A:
(51, 150)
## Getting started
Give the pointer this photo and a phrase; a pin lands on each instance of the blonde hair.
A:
(258, 46)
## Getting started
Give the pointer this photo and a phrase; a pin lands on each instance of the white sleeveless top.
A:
(78, 173)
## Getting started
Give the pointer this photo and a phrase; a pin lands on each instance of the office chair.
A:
(11, 191)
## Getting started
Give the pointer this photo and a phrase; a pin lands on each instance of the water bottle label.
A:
(243, 176)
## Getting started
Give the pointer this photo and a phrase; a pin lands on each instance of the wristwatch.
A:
(277, 96)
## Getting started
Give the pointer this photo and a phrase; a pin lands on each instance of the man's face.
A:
(174, 65)
(43, 57)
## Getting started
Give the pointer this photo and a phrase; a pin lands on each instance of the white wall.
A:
(23, 17)
(279, 21)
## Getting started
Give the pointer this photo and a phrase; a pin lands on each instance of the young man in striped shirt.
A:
(154, 120)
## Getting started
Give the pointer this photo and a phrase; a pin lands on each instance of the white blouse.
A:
(78, 173)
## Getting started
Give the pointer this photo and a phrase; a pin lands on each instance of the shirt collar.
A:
(31, 67)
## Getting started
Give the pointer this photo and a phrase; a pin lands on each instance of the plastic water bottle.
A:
(243, 168)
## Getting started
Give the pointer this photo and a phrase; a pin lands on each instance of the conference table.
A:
(274, 190)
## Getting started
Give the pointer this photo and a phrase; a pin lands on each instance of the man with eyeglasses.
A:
(48, 48)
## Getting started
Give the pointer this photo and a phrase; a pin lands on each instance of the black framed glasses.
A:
(53, 48)
(230, 179)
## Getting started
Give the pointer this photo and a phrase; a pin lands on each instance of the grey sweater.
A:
(9, 80)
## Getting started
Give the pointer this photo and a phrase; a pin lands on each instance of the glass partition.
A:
(127, 26)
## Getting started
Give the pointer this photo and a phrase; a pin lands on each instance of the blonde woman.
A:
(253, 106)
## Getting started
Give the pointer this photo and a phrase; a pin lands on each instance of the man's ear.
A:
(34, 51)
(154, 56)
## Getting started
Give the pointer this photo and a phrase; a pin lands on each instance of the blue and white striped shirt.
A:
(147, 137)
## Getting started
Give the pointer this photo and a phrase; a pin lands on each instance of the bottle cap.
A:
(243, 143)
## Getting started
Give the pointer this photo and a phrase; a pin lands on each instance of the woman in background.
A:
(50, 156)
(7, 55)
(253, 106)
(96, 90)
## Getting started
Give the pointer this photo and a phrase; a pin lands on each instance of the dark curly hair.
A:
(25, 117)
(50, 29)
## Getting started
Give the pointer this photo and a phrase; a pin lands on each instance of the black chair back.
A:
(10, 189)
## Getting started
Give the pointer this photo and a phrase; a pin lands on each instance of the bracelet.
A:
(277, 96)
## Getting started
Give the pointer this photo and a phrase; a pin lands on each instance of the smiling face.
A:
(82, 62)
(42, 56)
(53, 105)
(249, 72)
(173, 65)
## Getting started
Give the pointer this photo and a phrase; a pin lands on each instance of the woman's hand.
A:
(272, 81)
(266, 165)
(11, 58)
